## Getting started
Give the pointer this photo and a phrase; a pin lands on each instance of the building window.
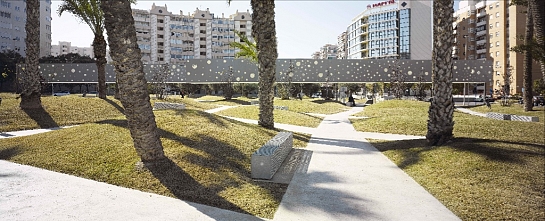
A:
(491, 35)
(497, 63)
(203, 53)
(159, 36)
(242, 26)
(497, 53)
(497, 14)
(160, 21)
(203, 46)
(160, 28)
(497, 43)
(202, 31)
(497, 34)
(203, 24)
(160, 44)
(497, 4)
(160, 51)
(497, 24)
(491, 45)
(497, 73)
(491, 6)
(491, 26)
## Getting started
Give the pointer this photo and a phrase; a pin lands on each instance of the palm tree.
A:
(537, 9)
(264, 33)
(134, 96)
(30, 96)
(527, 78)
(89, 12)
(248, 49)
(440, 122)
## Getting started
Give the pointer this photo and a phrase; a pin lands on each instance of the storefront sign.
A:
(379, 4)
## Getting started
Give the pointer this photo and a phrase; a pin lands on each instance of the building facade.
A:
(342, 46)
(12, 26)
(65, 47)
(392, 29)
(486, 30)
(164, 37)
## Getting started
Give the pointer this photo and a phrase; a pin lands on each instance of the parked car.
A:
(62, 93)
(538, 101)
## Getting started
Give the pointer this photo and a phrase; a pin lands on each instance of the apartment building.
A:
(65, 47)
(164, 37)
(342, 45)
(316, 55)
(392, 29)
(486, 30)
(12, 26)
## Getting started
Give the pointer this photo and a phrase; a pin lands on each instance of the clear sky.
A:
(302, 27)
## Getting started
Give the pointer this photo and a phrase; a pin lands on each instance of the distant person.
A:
(351, 100)
(299, 96)
(487, 103)
(182, 94)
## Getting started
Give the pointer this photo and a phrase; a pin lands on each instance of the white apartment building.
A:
(392, 29)
(342, 46)
(12, 26)
(485, 30)
(65, 47)
(164, 37)
(328, 51)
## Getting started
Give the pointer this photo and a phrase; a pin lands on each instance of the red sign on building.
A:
(379, 4)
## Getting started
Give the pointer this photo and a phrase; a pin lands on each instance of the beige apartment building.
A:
(65, 47)
(486, 30)
(164, 37)
(328, 51)
(342, 44)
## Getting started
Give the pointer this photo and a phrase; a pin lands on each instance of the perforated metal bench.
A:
(268, 158)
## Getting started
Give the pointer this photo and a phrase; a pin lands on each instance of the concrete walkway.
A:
(28, 132)
(342, 178)
(468, 111)
(348, 179)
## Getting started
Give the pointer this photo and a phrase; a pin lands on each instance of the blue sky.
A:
(302, 27)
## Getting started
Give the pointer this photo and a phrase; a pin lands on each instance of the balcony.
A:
(481, 42)
(481, 23)
(481, 51)
(481, 14)
(481, 33)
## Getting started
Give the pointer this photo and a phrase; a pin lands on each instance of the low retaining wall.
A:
(164, 105)
(512, 117)
(268, 158)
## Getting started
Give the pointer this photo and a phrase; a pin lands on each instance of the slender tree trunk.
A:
(99, 49)
(440, 122)
(527, 78)
(30, 96)
(132, 83)
(537, 7)
(264, 32)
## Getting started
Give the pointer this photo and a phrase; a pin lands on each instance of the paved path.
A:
(343, 178)
(28, 132)
(348, 179)
(468, 111)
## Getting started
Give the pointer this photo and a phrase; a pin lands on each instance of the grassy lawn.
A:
(492, 170)
(210, 155)
(280, 116)
(317, 106)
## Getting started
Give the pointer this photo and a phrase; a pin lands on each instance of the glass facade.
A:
(381, 33)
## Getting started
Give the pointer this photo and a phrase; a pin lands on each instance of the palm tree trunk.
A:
(30, 96)
(527, 78)
(537, 7)
(99, 49)
(264, 32)
(440, 123)
(132, 83)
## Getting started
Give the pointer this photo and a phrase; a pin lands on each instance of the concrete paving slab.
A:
(222, 107)
(29, 193)
(468, 111)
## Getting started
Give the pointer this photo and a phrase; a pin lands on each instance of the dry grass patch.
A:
(492, 170)
(317, 106)
(280, 116)
(209, 159)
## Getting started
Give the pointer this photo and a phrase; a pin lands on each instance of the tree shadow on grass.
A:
(221, 158)
(412, 149)
(326, 101)
(41, 117)
(117, 106)
(211, 118)
(8, 153)
(233, 101)
(185, 187)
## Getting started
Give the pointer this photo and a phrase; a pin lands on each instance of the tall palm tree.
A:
(248, 49)
(527, 78)
(440, 122)
(134, 96)
(30, 96)
(264, 33)
(537, 9)
(89, 12)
